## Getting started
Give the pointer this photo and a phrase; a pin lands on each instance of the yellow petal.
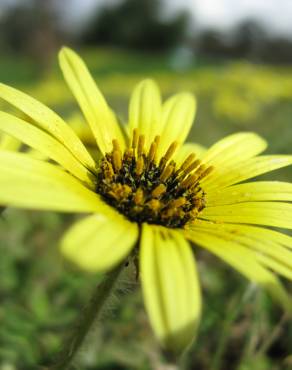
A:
(170, 286)
(9, 143)
(145, 111)
(270, 246)
(251, 191)
(29, 183)
(33, 153)
(99, 242)
(275, 265)
(81, 128)
(187, 149)
(99, 116)
(45, 143)
(244, 170)
(178, 114)
(234, 148)
(275, 214)
(243, 260)
(49, 121)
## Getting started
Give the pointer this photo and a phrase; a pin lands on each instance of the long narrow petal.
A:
(251, 191)
(277, 214)
(178, 114)
(244, 170)
(78, 124)
(30, 183)
(99, 242)
(243, 260)
(8, 142)
(45, 143)
(49, 121)
(170, 286)
(145, 111)
(99, 116)
(234, 148)
(270, 246)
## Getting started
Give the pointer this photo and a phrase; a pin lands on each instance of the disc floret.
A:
(149, 189)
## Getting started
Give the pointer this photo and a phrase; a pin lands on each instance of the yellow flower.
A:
(151, 192)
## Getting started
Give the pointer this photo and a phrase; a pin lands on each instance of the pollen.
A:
(145, 188)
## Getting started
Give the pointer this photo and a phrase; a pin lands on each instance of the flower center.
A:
(147, 189)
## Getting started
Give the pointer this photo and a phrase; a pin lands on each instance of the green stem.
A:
(233, 313)
(89, 315)
(171, 361)
(272, 337)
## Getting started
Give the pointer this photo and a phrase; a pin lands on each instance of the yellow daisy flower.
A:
(152, 193)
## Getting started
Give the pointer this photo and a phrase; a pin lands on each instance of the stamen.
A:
(207, 172)
(139, 197)
(154, 204)
(135, 138)
(169, 213)
(157, 140)
(168, 155)
(176, 203)
(158, 191)
(116, 145)
(189, 181)
(128, 155)
(141, 143)
(140, 166)
(201, 169)
(117, 160)
(149, 189)
(108, 169)
(188, 161)
(152, 152)
(170, 151)
(120, 192)
(192, 166)
(168, 170)
(112, 194)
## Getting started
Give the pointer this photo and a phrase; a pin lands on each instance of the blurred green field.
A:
(41, 294)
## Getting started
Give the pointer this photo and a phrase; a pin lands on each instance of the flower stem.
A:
(88, 317)
(273, 336)
(233, 311)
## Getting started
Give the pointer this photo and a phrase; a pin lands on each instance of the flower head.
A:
(151, 192)
(149, 189)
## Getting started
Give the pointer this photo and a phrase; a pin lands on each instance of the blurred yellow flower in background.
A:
(151, 193)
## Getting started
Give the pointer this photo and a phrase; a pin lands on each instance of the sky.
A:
(275, 14)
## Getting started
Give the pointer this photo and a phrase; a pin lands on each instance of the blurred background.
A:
(237, 58)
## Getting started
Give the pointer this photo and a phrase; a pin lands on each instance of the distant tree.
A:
(249, 39)
(278, 50)
(211, 42)
(30, 28)
(135, 24)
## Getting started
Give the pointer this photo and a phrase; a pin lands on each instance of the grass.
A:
(41, 294)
